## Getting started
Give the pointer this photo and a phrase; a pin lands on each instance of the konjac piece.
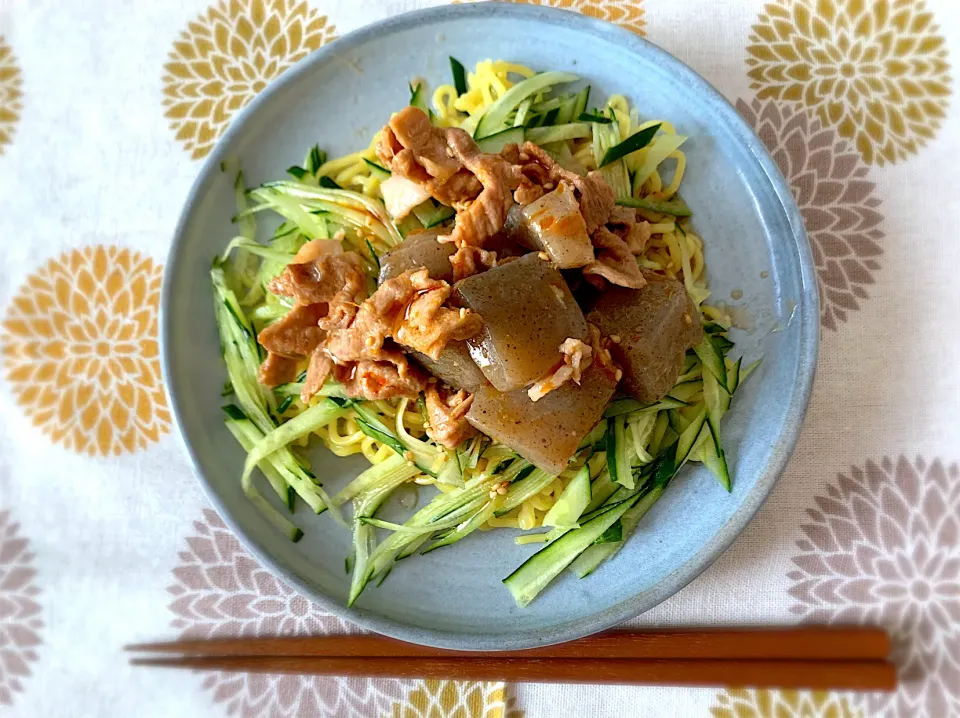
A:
(454, 367)
(554, 225)
(419, 249)
(652, 329)
(546, 432)
(527, 311)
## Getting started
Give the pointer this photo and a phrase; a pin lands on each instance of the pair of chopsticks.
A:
(851, 658)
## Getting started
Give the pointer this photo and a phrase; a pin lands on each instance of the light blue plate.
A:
(755, 243)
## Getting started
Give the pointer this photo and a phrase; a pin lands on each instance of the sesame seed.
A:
(543, 255)
(615, 338)
(687, 320)
(548, 185)
(408, 455)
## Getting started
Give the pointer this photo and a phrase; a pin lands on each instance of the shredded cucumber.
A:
(615, 171)
(536, 573)
(595, 555)
(494, 119)
(571, 502)
(558, 133)
(301, 425)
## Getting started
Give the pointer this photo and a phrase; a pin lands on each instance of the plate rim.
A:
(807, 308)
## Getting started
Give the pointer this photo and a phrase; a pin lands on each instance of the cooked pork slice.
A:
(595, 196)
(527, 193)
(296, 334)
(596, 199)
(652, 328)
(577, 357)
(484, 217)
(614, 263)
(317, 372)
(636, 233)
(390, 378)
(468, 261)
(277, 370)
(411, 130)
(409, 309)
(463, 187)
(447, 412)
(427, 325)
(329, 277)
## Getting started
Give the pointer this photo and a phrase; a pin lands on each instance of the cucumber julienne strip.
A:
(525, 488)
(494, 119)
(586, 562)
(469, 526)
(536, 573)
(284, 465)
(674, 207)
(242, 359)
(372, 426)
(593, 117)
(636, 141)
(469, 500)
(557, 133)
(301, 425)
(628, 406)
(247, 435)
(343, 200)
(364, 535)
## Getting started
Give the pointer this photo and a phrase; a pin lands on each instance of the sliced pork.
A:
(615, 262)
(447, 416)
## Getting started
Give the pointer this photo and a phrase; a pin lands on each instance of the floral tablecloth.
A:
(107, 109)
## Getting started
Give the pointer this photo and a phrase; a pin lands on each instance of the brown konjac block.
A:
(454, 367)
(419, 249)
(655, 325)
(546, 432)
(527, 311)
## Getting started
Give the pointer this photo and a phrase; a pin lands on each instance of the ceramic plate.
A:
(755, 243)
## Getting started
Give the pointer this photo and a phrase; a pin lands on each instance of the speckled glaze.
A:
(339, 97)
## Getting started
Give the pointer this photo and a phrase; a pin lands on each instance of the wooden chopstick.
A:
(801, 643)
(837, 675)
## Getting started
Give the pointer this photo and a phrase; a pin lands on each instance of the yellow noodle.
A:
(540, 502)
(444, 102)
(677, 173)
(527, 519)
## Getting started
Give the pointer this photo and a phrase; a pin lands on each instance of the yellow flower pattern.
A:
(877, 71)
(747, 703)
(627, 13)
(79, 344)
(11, 92)
(453, 699)
(227, 55)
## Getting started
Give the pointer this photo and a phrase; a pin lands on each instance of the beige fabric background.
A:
(105, 112)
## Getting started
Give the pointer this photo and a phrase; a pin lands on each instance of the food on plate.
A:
(501, 300)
